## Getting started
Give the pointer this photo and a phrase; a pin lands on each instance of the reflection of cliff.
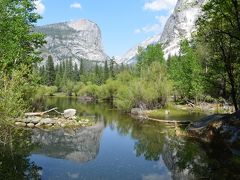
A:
(184, 159)
(80, 145)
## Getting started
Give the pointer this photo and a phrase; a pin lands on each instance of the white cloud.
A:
(40, 8)
(158, 5)
(137, 31)
(155, 28)
(76, 5)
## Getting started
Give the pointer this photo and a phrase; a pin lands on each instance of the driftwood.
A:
(41, 113)
(169, 121)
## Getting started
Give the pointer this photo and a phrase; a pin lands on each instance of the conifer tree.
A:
(50, 71)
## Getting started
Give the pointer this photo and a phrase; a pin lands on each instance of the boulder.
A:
(137, 111)
(35, 120)
(31, 125)
(69, 113)
(47, 121)
(26, 120)
(20, 124)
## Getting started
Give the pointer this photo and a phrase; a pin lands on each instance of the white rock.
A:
(31, 125)
(20, 124)
(69, 113)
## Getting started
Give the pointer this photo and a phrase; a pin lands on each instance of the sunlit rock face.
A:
(179, 26)
(73, 40)
(79, 145)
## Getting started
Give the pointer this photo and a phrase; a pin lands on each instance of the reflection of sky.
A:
(115, 160)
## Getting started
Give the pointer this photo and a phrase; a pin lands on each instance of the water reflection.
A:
(80, 145)
(15, 149)
(117, 147)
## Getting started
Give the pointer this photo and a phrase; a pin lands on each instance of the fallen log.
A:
(169, 121)
(40, 113)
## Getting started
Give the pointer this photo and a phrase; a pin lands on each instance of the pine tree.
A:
(76, 73)
(50, 71)
(81, 70)
(112, 73)
(106, 71)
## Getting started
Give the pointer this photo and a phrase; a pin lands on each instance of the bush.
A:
(90, 89)
(68, 88)
(77, 87)
(15, 93)
(45, 91)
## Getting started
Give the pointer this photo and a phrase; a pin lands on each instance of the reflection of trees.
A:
(150, 141)
(15, 148)
(185, 159)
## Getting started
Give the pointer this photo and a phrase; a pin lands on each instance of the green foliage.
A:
(90, 89)
(186, 72)
(15, 92)
(50, 71)
(18, 52)
(18, 43)
(219, 32)
(68, 87)
(145, 57)
(106, 71)
(77, 87)
(45, 91)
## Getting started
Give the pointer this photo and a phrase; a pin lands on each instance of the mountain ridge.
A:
(80, 39)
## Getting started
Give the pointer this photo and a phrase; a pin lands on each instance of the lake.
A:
(115, 147)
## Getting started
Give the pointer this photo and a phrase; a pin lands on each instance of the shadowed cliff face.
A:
(73, 40)
(79, 145)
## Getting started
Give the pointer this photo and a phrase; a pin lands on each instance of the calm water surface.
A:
(116, 147)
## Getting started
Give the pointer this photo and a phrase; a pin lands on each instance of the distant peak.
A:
(81, 24)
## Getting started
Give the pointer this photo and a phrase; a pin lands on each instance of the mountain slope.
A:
(73, 40)
(130, 56)
(180, 25)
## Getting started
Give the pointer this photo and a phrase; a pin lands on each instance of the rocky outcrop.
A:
(219, 129)
(80, 145)
(55, 122)
(73, 40)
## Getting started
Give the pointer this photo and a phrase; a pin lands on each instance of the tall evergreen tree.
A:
(81, 70)
(50, 71)
(106, 71)
(76, 73)
(111, 68)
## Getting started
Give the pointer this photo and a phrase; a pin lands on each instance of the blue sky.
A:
(123, 23)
